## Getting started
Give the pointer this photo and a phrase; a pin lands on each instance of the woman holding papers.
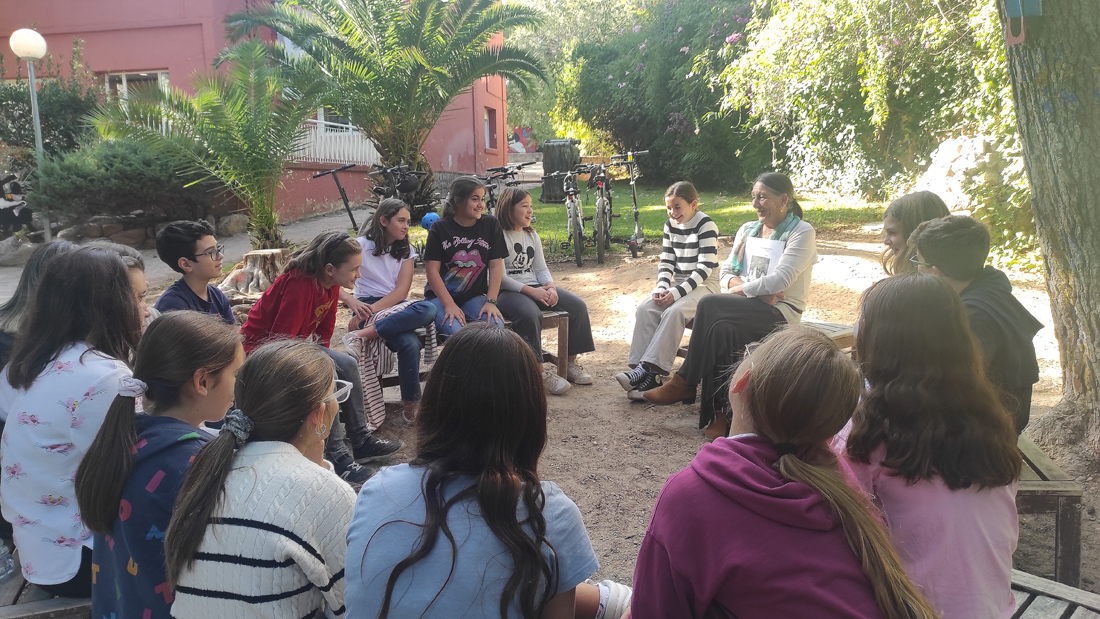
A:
(765, 282)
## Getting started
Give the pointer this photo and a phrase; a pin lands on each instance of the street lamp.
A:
(30, 46)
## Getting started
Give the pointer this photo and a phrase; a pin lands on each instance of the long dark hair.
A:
(174, 347)
(13, 311)
(506, 203)
(330, 247)
(277, 388)
(927, 396)
(781, 184)
(483, 415)
(461, 189)
(910, 211)
(388, 208)
(801, 390)
(85, 295)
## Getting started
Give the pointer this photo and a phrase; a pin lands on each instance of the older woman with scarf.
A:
(765, 282)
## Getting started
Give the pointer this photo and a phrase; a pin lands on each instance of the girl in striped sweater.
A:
(689, 253)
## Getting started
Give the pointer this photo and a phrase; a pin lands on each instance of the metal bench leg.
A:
(563, 346)
(1067, 542)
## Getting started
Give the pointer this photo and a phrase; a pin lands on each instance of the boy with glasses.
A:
(189, 248)
(955, 248)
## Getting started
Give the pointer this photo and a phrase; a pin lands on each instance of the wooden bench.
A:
(20, 599)
(1046, 489)
(549, 320)
(1039, 598)
(842, 334)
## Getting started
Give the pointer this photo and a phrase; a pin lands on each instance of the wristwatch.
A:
(493, 301)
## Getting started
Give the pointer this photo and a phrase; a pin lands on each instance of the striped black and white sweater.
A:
(276, 545)
(689, 252)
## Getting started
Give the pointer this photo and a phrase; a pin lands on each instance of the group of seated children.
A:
(883, 490)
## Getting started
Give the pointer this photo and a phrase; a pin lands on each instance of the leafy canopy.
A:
(239, 127)
(393, 66)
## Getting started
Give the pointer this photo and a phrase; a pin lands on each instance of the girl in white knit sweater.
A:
(259, 524)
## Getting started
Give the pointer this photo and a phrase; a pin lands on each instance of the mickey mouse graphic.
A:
(522, 260)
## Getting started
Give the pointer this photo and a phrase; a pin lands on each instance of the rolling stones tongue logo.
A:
(465, 267)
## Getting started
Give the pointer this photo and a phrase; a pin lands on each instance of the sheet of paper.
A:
(761, 258)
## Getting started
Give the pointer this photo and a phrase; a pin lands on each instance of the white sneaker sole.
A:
(624, 381)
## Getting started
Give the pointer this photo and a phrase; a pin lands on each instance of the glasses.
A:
(214, 253)
(913, 260)
(341, 393)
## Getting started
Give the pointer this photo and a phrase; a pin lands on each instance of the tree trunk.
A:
(1055, 77)
(255, 273)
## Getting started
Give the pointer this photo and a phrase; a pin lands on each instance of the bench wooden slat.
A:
(1084, 613)
(1049, 488)
(1028, 474)
(1043, 607)
(1043, 465)
(1022, 599)
(54, 608)
(1042, 586)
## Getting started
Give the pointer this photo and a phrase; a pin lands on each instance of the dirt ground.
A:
(612, 456)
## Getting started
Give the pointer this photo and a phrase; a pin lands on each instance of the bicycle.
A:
(573, 208)
(343, 194)
(627, 159)
(602, 225)
(402, 182)
(507, 174)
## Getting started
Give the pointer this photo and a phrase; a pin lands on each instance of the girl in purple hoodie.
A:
(765, 524)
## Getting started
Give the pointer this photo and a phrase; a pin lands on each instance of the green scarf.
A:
(781, 233)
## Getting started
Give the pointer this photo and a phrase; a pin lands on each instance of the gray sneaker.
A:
(577, 375)
(555, 385)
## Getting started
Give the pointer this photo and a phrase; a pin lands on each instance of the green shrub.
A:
(62, 104)
(117, 178)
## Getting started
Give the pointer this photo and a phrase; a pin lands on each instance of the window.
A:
(333, 122)
(490, 128)
(120, 84)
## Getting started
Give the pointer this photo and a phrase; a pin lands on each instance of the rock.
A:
(71, 235)
(210, 220)
(91, 231)
(113, 228)
(149, 244)
(103, 219)
(232, 225)
(14, 252)
(134, 238)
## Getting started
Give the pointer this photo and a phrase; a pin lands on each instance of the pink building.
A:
(167, 41)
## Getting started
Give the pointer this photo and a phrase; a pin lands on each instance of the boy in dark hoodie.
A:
(955, 248)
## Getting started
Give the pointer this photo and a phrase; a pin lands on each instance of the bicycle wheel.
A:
(610, 215)
(578, 235)
(600, 228)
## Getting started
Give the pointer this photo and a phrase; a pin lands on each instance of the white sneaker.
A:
(618, 599)
(577, 374)
(555, 385)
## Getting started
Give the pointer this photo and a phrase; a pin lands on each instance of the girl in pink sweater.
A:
(931, 442)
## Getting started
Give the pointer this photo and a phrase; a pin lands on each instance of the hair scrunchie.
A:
(785, 448)
(131, 387)
(238, 425)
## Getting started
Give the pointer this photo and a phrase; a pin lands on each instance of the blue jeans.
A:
(470, 308)
(398, 331)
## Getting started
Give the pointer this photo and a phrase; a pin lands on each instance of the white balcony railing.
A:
(327, 142)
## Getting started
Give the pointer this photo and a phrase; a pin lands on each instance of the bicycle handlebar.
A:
(340, 169)
(628, 156)
(511, 167)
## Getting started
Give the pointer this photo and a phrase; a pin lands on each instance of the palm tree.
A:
(395, 65)
(239, 127)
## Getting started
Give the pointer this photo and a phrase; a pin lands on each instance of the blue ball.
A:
(428, 220)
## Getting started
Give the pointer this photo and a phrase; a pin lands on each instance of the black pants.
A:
(724, 325)
(79, 586)
(526, 316)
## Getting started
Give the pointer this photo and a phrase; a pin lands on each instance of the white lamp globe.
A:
(28, 44)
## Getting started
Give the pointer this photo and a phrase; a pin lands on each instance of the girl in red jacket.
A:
(301, 303)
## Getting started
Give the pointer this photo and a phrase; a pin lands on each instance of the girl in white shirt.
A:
(64, 374)
(384, 281)
(528, 289)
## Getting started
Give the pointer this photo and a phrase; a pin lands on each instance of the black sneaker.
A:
(630, 379)
(375, 449)
(350, 471)
(649, 381)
